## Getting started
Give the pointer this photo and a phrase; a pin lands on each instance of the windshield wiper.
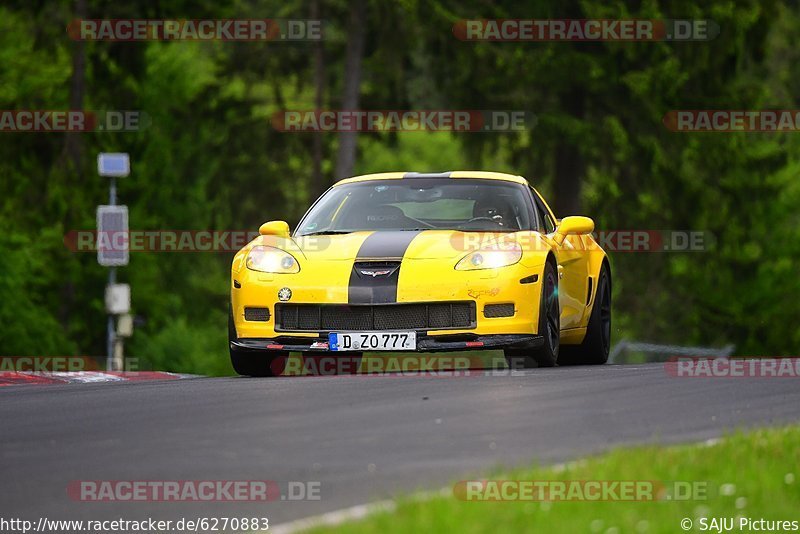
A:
(339, 232)
(494, 231)
(329, 232)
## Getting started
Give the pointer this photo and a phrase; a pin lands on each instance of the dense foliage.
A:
(210, 159)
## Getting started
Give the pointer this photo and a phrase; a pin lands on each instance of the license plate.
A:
(372, 341)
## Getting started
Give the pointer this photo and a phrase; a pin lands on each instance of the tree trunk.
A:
(73, 150)
(569, 174)
(317, 180)
(569, 165)
(346, 156)
(73, 144)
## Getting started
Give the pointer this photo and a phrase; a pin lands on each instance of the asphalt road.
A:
(362, 438)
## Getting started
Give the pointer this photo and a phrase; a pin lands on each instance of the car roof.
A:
(484, 175)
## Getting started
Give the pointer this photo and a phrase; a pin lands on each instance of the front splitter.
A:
(425, 343)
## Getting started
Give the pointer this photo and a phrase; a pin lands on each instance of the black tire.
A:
(597, 343)
(549, 327)
(258, 363)
(331, 363)
(255, 363)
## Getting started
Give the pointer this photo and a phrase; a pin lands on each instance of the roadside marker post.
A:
(113, 249)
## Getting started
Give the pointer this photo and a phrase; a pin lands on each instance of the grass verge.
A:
(746, 475)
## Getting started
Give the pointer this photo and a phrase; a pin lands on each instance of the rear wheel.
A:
(549, 327)
(597, 343)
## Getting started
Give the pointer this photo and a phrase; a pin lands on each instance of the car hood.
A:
(411, 245)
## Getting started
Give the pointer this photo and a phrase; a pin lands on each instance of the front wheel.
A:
(549, 327)
(254, 363)
(258, 363)
(597, 342)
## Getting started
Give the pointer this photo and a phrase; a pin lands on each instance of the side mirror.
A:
(276, 228)
(573, 226)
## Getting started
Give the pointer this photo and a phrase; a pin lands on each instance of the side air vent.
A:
(492, 311)
(256, 314)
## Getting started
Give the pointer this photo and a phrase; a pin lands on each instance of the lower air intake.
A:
(413, 316)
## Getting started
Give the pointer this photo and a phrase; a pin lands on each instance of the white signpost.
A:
(112, 236)
(113, 248)
(118, 299)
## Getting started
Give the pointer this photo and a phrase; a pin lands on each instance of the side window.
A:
(549, 223)
(543, 216)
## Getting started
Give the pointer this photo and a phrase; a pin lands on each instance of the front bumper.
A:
(425, 343)
(421, 281)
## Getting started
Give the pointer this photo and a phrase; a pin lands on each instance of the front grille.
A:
(256, 314)
(498, 310)
(374, 266)
(416, 316)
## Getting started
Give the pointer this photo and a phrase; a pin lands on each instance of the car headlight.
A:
(271, 260)
(491, 258)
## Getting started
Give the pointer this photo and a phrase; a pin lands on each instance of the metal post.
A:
(112, 279)
(112, 192)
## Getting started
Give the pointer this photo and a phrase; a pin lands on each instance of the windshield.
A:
(421, 204)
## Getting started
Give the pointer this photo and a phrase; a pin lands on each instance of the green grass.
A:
(751, 475)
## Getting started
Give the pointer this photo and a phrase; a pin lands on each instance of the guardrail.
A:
(662, 352)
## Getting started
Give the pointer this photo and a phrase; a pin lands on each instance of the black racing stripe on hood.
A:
(381, 251)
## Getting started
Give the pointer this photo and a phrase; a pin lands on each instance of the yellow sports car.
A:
(426, 262)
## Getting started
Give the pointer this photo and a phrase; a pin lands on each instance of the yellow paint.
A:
(485, 175)
(428, 274)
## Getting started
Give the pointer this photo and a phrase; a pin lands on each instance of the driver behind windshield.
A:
(420, 204)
